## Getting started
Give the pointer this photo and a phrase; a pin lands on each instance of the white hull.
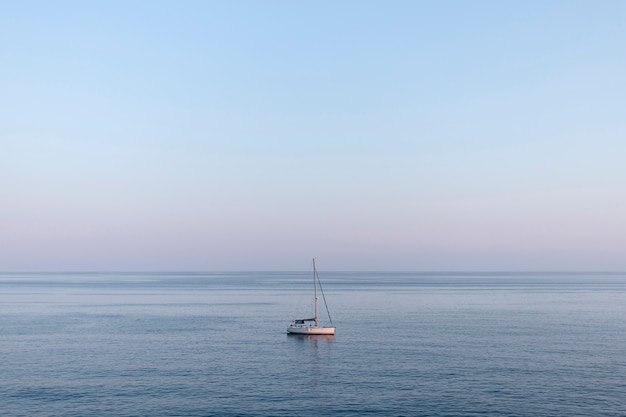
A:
(310, 330)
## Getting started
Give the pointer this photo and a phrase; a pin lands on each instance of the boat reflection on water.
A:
(311, 336)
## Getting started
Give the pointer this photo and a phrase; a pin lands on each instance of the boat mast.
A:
(315, 289)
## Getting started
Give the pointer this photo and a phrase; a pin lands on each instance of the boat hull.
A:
(310, 330)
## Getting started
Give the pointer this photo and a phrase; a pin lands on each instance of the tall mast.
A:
(315, 289)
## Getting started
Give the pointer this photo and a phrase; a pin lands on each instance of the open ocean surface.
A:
(407, 344)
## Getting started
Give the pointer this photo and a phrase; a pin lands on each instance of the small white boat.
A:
(311, 326)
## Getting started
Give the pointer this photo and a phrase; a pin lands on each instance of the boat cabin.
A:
(303, 322)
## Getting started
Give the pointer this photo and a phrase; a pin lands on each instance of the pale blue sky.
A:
(227, 135)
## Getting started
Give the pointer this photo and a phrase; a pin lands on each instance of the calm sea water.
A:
(407, 344)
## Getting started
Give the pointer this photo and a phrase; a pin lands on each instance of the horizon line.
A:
(173, 271)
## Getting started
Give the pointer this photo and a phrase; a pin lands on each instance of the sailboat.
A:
(311, 326)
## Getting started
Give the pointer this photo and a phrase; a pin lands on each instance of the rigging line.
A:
(324, 298)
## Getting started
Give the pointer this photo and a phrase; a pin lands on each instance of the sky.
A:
(255, 135)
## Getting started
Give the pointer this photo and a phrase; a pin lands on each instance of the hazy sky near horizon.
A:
(241, 135)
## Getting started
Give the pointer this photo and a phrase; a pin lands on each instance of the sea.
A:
(406, 344)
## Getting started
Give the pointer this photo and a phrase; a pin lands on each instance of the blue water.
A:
(407, 344)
